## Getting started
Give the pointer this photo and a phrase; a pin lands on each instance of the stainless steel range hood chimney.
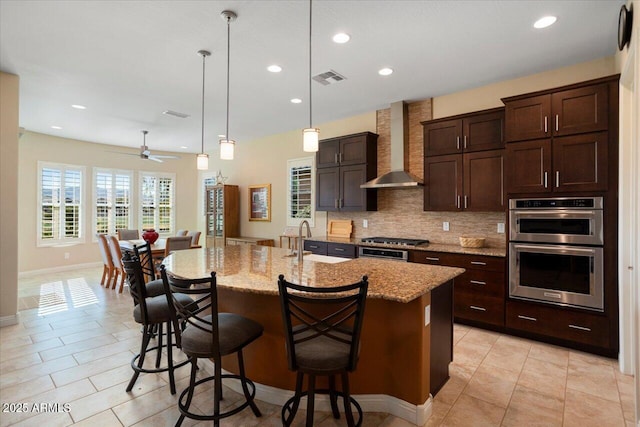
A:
(398, 177)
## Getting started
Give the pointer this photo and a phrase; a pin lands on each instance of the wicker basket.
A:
(471, 242)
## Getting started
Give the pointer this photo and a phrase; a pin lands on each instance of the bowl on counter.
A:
(472, 241)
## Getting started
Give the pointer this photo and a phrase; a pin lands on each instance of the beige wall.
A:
(9, 101)
(36, 146)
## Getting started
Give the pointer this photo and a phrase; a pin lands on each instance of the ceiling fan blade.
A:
(166, 157)
(155, 159)
(122, 152)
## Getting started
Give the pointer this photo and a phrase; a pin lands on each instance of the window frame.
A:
(60, 240)
(296, 163)
(141, 201)
(132, 204)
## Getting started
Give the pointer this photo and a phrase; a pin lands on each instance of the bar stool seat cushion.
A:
(158, 308)
(235, 332)
(155, 288)
(322, 354)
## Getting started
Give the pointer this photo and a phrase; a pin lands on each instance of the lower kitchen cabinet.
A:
(343, 250)
(580, 327)
(479, 292)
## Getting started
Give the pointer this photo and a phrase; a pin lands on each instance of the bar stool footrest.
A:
(286, 408)
(166, 368)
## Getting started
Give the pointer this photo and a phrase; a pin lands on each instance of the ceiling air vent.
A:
(175, 114)
(329, 77)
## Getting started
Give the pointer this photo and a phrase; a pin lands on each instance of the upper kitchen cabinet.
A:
(347, 150)
(559, 140)
(343, 164)
(563, 112)
(464, 133)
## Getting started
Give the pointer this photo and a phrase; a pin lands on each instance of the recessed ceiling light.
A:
(341, 38)
(385, 71)
(274, 68)
(545, 21)
(221, 136)
(296, 100)
(184, 147)
(79, 107)
(56, 127)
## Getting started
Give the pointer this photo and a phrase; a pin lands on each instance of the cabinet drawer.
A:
(477, 282)
(434, 258)
(319, 248)
(580, 327)
(485, 309)
(343, 250)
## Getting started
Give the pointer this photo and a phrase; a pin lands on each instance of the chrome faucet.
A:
(300, 241)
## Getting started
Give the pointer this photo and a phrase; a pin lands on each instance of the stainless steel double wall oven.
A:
(556, 251)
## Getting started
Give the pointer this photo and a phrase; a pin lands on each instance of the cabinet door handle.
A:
(581, 328)
(557, 179)
(465, 141)
(432, 258)
(478, 263)
(477, 282)
(532, 319)
(556, 123)
(457, 142)
(313, 246)
(458, 202)
(466, 199)
(338, 249)
(475, 307)
(545, 180)
(335, 203)
(545, 124)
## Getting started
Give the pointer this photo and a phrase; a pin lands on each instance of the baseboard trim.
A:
(415, 414)
(24, 274)
(13, 319)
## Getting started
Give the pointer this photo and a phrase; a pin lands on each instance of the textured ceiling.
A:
(128, 61)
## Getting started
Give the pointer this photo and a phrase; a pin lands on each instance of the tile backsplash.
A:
(400, 214)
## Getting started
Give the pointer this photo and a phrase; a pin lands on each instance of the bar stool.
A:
(209, 334)
(153, 313)
(322, 333)
(154, 286)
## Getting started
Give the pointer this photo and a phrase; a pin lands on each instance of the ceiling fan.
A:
(145, 153)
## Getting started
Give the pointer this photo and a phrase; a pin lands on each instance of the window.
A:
(300, 193)
(157, 202)
(112, 200)
(60, 204)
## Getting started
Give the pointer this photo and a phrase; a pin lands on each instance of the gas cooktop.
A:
(395, 241)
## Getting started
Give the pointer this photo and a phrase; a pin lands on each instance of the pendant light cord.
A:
(202, 123)
(310, 104)
(228, 61)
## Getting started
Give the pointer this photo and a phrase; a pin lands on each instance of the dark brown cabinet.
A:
(465, 133)
(567, 112)
(343, 164)
(470, 181)
(463, 167)
(479, 293)
(343, 250)
(564, 164)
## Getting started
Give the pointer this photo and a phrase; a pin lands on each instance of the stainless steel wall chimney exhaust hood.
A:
(398, 177)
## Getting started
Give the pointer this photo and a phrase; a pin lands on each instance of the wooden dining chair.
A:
(124, 234)
(116, 257)
(105, 252)
(195, 237)
(176, 244)
(181, 233)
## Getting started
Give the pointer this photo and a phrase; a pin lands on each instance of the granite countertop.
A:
(435, 247)
(255, 269)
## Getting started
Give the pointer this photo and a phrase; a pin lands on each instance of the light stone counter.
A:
(255, 269)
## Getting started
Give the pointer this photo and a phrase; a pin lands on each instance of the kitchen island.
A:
(407, 335)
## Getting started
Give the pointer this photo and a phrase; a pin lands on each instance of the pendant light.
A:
(227, 145)
(202, 160)
(310, 135)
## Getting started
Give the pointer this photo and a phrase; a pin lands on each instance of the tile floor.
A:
(75, 341)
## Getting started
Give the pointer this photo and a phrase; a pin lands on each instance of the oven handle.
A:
(555, 249)
(556, 213)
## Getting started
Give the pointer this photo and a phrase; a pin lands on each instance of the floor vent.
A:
(329, 77)
(176, 114)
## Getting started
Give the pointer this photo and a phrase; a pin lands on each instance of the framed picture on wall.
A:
(260, 202)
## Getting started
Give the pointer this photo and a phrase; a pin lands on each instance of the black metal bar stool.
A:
(322, 333)
(153, 313)
(211, 335)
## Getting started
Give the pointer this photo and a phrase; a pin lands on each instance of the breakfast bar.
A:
(407, 334)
